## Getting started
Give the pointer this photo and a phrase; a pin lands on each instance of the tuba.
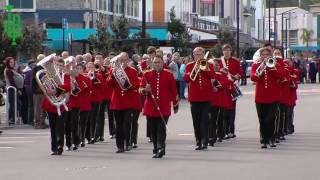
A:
(119, 73)
(201, 64)
(49, 79)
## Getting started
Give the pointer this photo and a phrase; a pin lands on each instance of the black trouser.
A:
(290, 116)
(134, 126)
(148, 126)
(72, 127)
(220, 124)
(158, 132)
(94, 118)
(30, 110)
(231, 119)
(57, 130)
(214, 113)
(200, 116)
(282, 120)
(123, 127)
(101, 120)
(267, 119)
(84, 116)
(24, 107)
(112, 128)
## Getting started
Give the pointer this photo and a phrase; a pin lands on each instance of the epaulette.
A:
(132, 68)
(235, 58)
(167, 70)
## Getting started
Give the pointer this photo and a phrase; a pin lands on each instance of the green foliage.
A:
(306, 36)
(30, 45)
(102, 42)
(225, 36)
(180, 35)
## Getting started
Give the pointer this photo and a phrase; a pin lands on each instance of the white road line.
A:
(185, 134)
(11, 142)
(31, 137)
(6, 147)
(44, 133)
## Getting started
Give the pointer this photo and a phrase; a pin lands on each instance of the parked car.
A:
(249, 64)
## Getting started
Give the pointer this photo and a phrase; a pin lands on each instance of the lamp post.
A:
(238, 30)
(282, 26)
(143, 28)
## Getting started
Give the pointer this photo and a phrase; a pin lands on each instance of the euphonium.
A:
(201, 64)
(49, 80)
(119, 73)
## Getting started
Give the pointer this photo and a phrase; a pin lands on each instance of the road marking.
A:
(10, 142)
(24, 137)
(6, 147)
(44, 133)
(185, 134)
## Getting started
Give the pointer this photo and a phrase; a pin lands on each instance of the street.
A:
(25, 152)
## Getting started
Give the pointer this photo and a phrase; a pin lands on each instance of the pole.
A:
(143, 29)
(63, 37)
(282, 47)
(269, 21)
(286, 37)
(238, 26)
(275, 24)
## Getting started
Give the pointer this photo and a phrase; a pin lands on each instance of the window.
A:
(206, 9)
(109, 2)
(22, 4)
(136, 8)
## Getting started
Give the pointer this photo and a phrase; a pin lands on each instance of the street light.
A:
(282, 17)
(238, 24)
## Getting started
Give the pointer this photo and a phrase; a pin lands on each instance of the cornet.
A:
(267, 63)
(91, 75)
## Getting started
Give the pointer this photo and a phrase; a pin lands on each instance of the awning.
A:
(304, 48)
(55, 36)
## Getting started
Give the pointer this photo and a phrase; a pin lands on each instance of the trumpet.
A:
(267, 63)
(91, 75)
(201, 64)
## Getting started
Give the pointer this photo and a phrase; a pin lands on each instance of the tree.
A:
(224, 36)
(101, 42)
(6, 49)
(121, 42)
(180, 37)
(306, 36)
(30, 44)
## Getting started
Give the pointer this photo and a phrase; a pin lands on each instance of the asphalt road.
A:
(24, 152)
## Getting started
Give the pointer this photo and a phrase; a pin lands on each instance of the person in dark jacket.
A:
(39, 114)
(28, 90)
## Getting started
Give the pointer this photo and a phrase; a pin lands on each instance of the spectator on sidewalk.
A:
(39, 114)
(13, 78)
(28, 91)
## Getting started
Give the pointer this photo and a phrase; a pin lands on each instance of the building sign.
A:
(207, 1)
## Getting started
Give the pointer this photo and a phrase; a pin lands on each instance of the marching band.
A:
(79, 90)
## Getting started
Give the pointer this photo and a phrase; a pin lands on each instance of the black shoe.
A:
(198, 148)
(128, 148)
(134, 146)
(101, 139)
(219, 140)
(150, 140)
(75, 148)
(277, 141)
(233, 136)
(120, 151)
(273, 144)
(60, 150)
(204, 147)
(0, 132)
(282, 138)
(264, 146)
(154, 151)
(68, 148)
(54, 153)
(83, 144)
(211, 144)
(91, 141)
(159, 154)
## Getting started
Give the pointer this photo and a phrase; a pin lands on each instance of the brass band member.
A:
(56, 122)
(123, 100)
(266, 76)
(160, 83)
(234, 73)
(200, 92)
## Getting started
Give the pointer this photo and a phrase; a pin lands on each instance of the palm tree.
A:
(306, 36)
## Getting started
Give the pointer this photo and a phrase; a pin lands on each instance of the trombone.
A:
(201, 64)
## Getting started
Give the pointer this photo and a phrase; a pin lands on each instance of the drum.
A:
(236, 93)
